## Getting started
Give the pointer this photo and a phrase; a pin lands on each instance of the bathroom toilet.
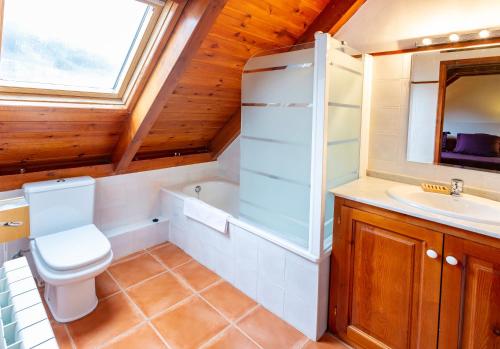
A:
(69, 251)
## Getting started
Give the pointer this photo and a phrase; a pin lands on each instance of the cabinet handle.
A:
(431, 254)
(496, 331)
(451, 260)
(11, 224)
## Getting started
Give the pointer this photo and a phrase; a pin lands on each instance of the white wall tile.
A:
(388, 135)
(300, 313)
(271, 296)
(271, 263)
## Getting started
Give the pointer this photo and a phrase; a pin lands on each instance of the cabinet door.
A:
(470, 302)
(386, 289)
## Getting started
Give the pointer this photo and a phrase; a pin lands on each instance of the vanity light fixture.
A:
(485, 33)
(454, 37)
(476, 35)
(426, 41)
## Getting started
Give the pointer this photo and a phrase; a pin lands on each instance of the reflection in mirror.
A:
(470, 120)
(464, 88)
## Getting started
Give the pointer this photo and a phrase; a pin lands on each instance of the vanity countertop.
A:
(373, 191)
(11, 203)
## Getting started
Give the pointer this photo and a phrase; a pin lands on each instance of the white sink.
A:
(466, 207)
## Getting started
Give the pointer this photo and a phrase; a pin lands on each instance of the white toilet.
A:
(68, 249)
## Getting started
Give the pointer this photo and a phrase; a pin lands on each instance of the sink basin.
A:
(467, 207)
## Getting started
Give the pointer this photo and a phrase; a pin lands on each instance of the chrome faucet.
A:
(457, 187)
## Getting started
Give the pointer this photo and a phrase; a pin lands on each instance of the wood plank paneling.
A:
(16, 181)
(210, 88)
(199, 111)
(192, 27)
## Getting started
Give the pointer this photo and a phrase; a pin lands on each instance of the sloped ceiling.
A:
(386, 25)
(34, 138)
(208, 94)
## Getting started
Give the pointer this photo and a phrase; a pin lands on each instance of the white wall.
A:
(126, 204)
(473, 105)
(389, 124)
(384, 25)
(229, 161)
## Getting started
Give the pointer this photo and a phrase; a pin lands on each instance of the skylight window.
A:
(72, 45)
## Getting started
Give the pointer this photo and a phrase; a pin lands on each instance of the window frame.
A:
(137, 66)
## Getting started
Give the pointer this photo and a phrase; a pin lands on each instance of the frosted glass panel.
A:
(285, 198)
(344, 128)
(292, 85)
(294, 124)
(346, 87)
(276, 132)
(342, 163)
(344, 123)
(283, 161)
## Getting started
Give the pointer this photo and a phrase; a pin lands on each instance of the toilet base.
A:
(71, 301)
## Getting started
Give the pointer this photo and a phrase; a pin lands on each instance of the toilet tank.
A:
(61, 204)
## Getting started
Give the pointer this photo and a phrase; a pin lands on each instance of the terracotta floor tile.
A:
(171, 255)
(326, 342)
(105, 285)
(143, 337)
(158, 293)
(61, 336)
(190, 325)
(270, 331)
(135, 270)
(227, 299)
(232, 339)
(196, 275)
(112, 317)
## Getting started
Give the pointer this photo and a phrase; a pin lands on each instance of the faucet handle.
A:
(457, 187)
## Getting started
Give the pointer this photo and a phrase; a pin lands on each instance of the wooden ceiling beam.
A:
(16, 181)
(332, 18)
(196, 20)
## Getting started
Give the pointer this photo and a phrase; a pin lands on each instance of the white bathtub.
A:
(218, 193)
(278, 274)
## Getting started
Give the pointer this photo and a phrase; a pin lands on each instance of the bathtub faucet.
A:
(197, 190)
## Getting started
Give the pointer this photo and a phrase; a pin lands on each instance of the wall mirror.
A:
(454, 116)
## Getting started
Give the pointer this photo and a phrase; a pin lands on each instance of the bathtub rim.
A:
(290, 246)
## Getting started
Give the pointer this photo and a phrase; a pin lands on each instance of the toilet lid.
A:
(74, 248)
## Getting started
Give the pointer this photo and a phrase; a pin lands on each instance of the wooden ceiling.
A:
(200, 113)
(208, 94)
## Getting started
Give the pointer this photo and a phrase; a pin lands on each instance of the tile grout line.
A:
(137, 309)
(147, 320)
(199, 294)
(71, 341)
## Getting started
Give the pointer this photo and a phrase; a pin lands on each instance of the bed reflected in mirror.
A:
(465, 130)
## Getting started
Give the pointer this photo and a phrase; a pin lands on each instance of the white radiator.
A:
(24, 322)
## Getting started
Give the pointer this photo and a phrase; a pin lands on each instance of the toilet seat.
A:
(71, 255)
(73, 249)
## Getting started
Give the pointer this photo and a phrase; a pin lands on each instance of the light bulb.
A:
(483, 34)
(454, 37)
(426, 41)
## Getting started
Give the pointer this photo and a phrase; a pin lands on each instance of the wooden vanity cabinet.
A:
(470, 301)
(391, 286)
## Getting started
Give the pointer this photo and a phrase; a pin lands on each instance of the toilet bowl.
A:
(69, 251)
(68, 262)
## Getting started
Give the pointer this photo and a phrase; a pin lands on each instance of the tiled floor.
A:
(161, 298)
